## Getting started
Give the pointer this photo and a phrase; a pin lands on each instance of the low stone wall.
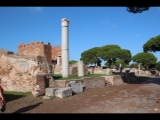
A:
(90, 83)
(113, 80)
(99, 82)
(119, 79)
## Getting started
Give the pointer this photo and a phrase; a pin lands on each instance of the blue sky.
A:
(89, 27)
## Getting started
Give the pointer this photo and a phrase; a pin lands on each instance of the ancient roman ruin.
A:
(31, 69)
(52, 53)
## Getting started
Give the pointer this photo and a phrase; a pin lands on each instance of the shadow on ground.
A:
(10, 97)
(25, 109)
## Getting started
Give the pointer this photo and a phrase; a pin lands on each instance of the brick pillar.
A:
(40, 82)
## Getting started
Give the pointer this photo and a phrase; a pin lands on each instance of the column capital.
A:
(64, 22)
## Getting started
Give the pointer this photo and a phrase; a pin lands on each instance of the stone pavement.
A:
(141, 97)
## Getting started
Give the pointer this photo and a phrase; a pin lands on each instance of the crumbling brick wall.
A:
(36, 48)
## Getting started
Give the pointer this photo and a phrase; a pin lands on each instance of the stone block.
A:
(46, 97)
(63, 92)
(76, 87)
(50, 91)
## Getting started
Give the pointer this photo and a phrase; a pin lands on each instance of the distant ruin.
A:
(52, 53)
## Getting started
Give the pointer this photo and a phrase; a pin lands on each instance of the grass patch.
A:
(75, 76)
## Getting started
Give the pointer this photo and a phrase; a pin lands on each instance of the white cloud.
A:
(35, 9)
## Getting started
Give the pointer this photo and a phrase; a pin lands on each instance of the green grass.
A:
(75, 76)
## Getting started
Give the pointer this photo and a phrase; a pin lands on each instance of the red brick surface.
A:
(39, 48)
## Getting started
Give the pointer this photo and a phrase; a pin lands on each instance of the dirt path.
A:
(124, 98)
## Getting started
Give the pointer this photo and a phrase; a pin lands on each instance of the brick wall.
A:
(39, 48)
(56, 51)
(90, 83)
(40, 82)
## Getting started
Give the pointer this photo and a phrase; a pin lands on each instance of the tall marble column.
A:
(65, 47)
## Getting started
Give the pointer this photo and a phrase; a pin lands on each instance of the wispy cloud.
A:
(35, 9)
